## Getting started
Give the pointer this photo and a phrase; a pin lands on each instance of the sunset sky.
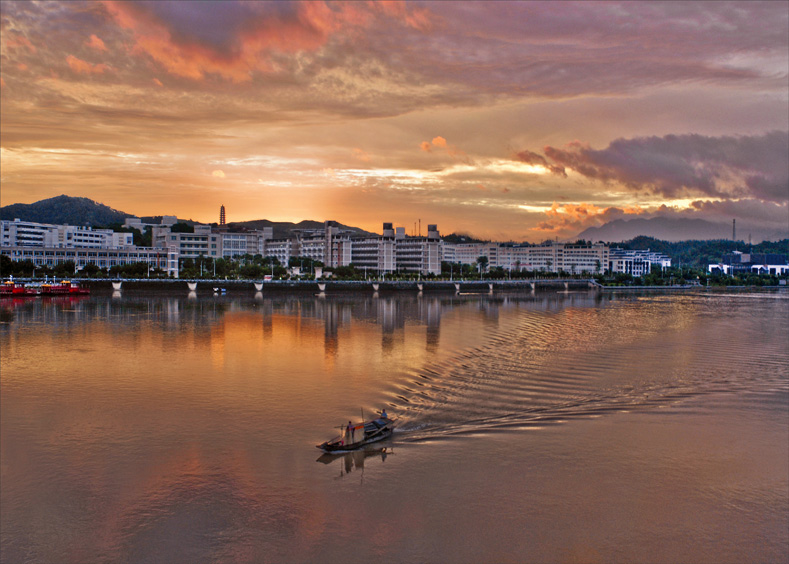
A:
(511, 121)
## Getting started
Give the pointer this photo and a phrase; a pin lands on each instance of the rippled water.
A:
(531, 427)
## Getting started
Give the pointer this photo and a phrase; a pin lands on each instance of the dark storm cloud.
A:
(680, 165)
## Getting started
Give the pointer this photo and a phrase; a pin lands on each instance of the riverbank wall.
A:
(251, 287)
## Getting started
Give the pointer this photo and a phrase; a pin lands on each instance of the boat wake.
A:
(539, 368)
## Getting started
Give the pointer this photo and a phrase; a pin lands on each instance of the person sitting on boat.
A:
(383, 413)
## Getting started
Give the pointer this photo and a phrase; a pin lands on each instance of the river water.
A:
(547, 427)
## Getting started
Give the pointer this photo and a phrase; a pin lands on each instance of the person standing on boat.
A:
(351, 431)
(383, 414)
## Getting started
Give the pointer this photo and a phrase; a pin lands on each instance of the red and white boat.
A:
(65, 288)
(11, 289)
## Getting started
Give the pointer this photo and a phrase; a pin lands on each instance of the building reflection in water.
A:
(337, 313)
(198, 385)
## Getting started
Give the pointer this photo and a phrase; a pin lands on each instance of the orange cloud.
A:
(20, 41)
(566, 219)
(96, 43)
(441, 143)
(418, 18)
(84, 67)
(195, 61)
(247, 49)
(157, 82)
(361, 155)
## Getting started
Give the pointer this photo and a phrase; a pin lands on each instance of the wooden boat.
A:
(357, 435)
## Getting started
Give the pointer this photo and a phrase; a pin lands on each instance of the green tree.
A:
(91, 270)
(252, 271)
(482, 264)
(65, 269)
(182, 227)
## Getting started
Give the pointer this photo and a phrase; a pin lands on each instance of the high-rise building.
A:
(222, 215)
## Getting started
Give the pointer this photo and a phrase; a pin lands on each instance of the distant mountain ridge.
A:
(85, 212)
(282, 229)
(64, 210)
(677, 229)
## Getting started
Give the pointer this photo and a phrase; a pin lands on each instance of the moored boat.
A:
(357, 435)
(67, 287)
(10, 289)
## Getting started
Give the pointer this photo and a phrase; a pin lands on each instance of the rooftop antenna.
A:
(420, 227)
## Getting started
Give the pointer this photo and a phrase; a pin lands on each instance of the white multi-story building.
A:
(375, 253)
(229, 244)
(393, 251)
(579, 259)
(50, 245)
(468, 253)
(550, 257)
(313, 247)
(31, 234)
(187, 245)
(636, 262)
(418, 254)
(381, 254)
(221, 243)
(101, 257)
(282, 249)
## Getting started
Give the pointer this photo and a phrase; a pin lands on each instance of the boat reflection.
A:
(355, 460)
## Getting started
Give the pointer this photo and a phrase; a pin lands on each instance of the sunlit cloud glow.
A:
(511, 120)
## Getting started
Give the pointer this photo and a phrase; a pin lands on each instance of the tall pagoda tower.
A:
(222, 215)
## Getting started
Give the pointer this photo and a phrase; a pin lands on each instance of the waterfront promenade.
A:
(237, 287)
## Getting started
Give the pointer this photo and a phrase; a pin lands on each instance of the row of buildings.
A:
(392, 251)
(737, 262)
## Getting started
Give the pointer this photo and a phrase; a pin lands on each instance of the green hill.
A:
(64, 210)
